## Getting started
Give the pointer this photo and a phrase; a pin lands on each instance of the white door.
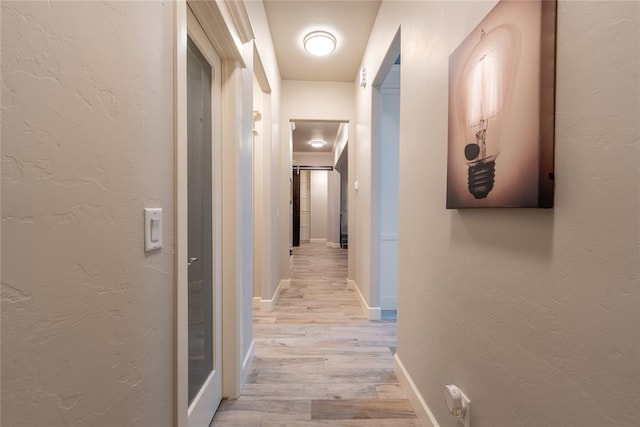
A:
(203, 195)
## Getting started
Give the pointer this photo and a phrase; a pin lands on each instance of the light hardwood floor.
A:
(318, 361)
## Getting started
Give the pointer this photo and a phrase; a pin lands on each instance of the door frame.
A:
(193, 31)
(393, 51)
(220, 31)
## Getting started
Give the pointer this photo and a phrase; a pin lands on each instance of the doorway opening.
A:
(385, 170)
(319, 167)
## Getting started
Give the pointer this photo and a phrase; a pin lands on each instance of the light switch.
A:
(155, 230)
(152, 229)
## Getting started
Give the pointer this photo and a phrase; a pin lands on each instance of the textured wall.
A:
(87, 317)
(535, 314)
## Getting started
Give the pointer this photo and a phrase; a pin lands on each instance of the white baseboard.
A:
(317, 240)
(389, 303)
(256, 303)
(246, 363)
(333, 245)
(371, 313)
(270, 304)
(424, 414)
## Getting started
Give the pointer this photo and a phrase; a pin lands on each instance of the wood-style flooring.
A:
(318, 361)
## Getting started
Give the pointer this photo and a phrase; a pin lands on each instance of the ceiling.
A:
(349, 21)
(307, 130)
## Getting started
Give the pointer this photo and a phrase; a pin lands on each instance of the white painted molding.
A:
(258, 70)
(270, 304)
(424, 414)
(213, 22)
(256, 302)
(371, 313)
(247, 362)
(241, 19)
(318, 240)
(181, 224)
(333, 245)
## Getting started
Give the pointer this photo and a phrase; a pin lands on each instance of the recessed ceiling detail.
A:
(319, 43)
(307, 133)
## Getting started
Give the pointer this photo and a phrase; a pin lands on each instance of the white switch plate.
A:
(356, 185)
(152, 229)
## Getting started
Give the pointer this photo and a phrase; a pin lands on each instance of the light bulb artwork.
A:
(485, 93)
(501, 109)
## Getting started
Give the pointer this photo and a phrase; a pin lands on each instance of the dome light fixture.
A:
(319, 43)
(317, 143)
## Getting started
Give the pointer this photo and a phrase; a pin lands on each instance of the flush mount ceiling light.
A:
(319, 43)
(317, 143)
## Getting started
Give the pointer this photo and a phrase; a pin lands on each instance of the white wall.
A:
(533, 313)
(388, 163)
(244, 210)
(258, 190)
(333, 208)
(87, 132)
(273, 254)
(302, 158)
(341, 142)
(319, 186)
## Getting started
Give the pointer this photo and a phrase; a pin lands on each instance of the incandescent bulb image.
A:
(501, 109)
(483, 81)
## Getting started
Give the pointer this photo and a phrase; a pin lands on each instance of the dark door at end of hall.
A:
(296, 209)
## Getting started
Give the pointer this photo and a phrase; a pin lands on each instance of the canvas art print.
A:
(501, 109)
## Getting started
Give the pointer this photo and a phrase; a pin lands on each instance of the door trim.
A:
(180, 208)
(187, 25)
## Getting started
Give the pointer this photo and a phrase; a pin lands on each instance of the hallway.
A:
(318, 361)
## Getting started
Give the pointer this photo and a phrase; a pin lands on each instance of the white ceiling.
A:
(349, 21)
(306, 131)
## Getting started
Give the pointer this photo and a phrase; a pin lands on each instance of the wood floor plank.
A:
(311, 391)
(391, 391)
(408, 422)
(361, 409)
(263, 410)
(294, 362)
(318, 361)
(333, 376)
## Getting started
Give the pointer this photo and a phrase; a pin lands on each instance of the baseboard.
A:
(270, 304)
(246, 363)
(333, 245)
(424, 414)
(317, 240)
(389, 303)
(256, 303)
(371, 313)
